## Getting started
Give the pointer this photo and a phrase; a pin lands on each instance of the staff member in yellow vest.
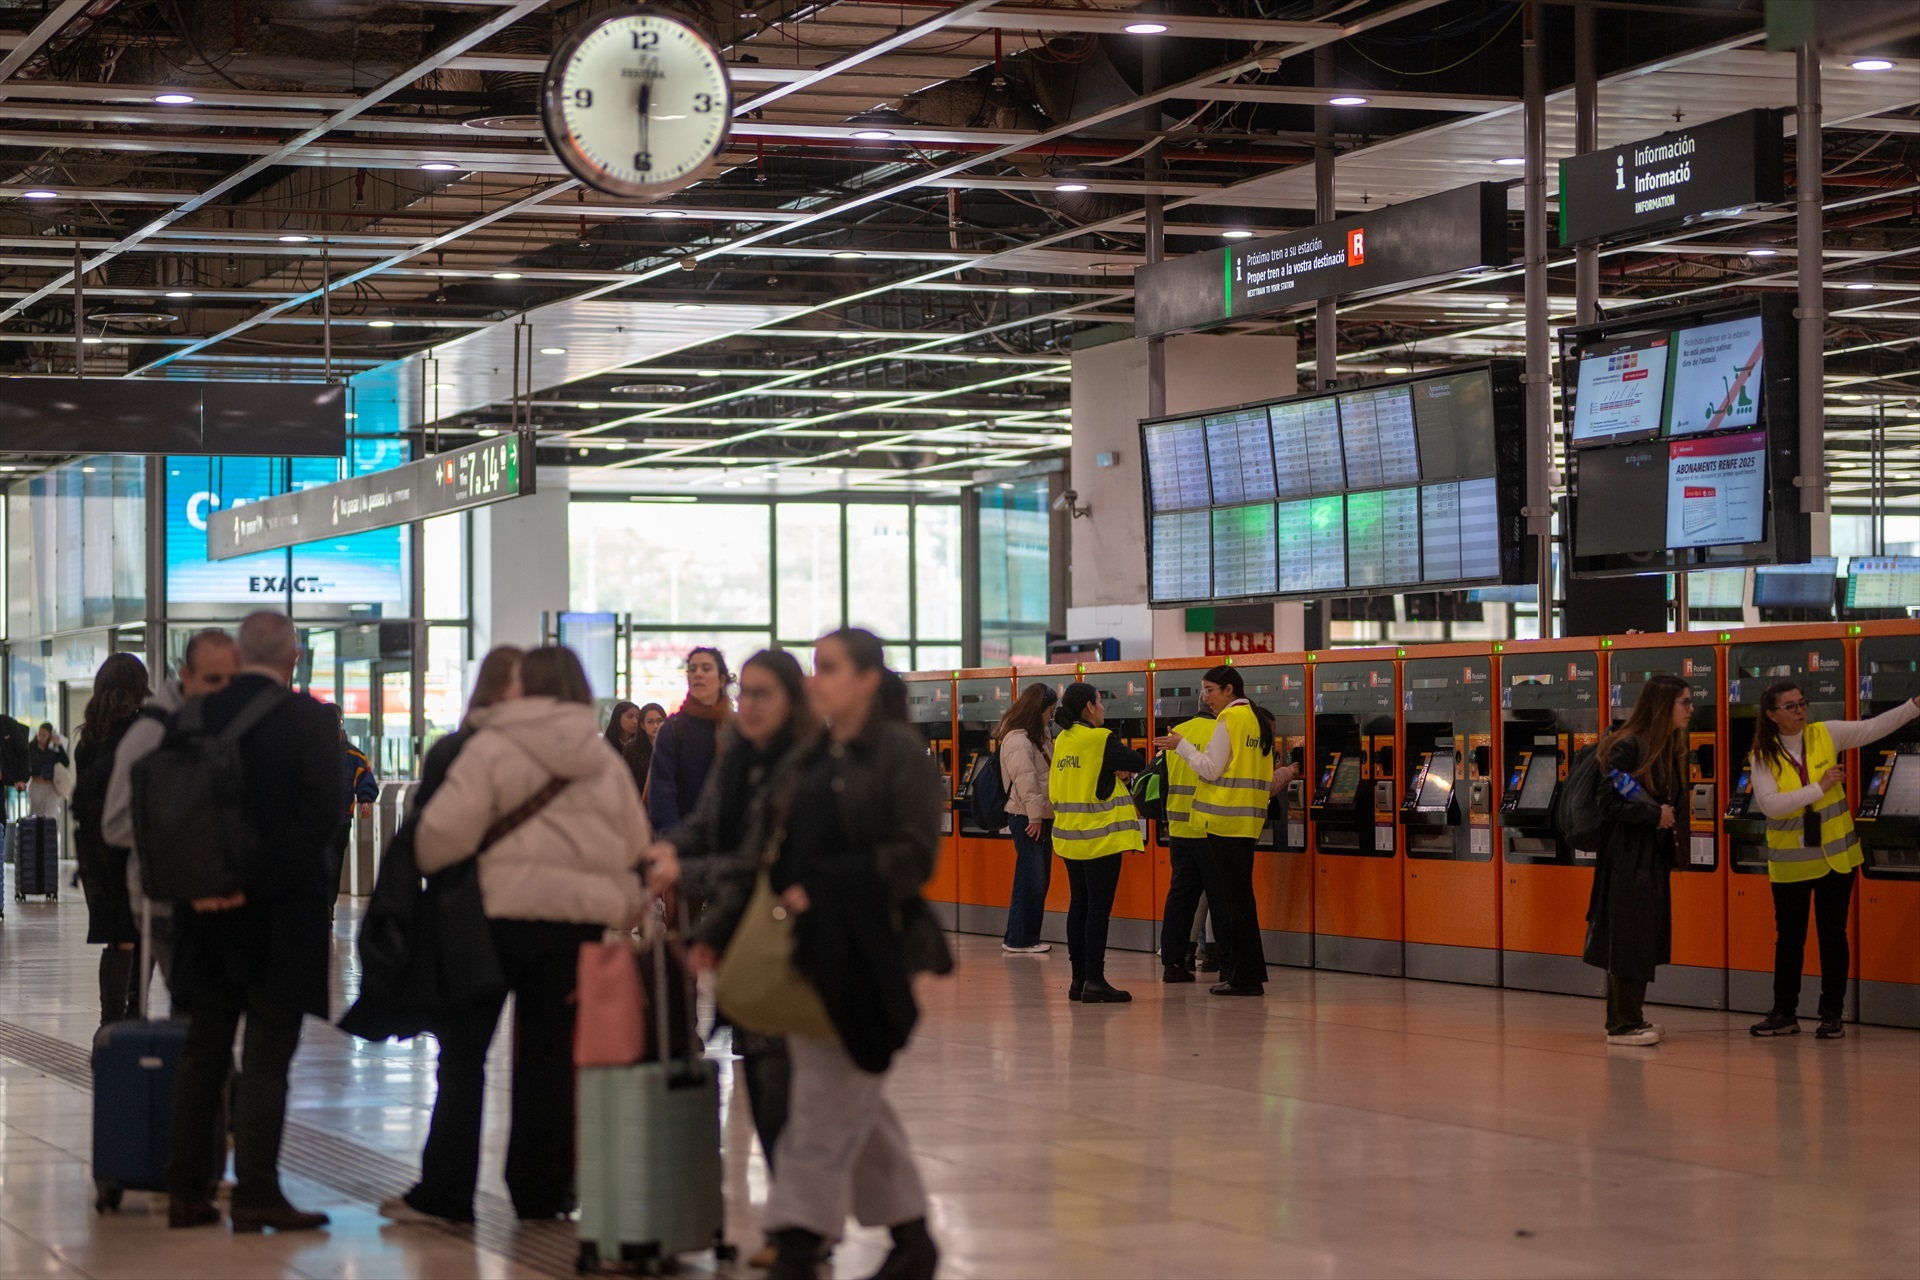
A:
(1237, 781)
(1094, 822)
(1811, 846)
(1186, 853)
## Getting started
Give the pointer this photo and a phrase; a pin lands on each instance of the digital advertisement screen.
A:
(1622, 509)
(1240, 456)
(1176, 458)
(1243, 551)
(1716, 377)
(1883, 582)
(1622, 388)
(1796, 586)
(362, 568)
(1182, 556)
(1717, 490)
(1453, 420)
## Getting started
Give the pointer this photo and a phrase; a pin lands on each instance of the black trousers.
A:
(1830, 895)
(260, 1102)
(768, 1073)
(1091, 883)
(540, 960)
(1236, 917)
(1625, 1000)
(1183, 898)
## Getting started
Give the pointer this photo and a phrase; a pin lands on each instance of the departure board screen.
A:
(1240, 456)
(1373, 489)
(1176, 458)
(1182, 556)
(1453, 419)
(1244, 550)
(1883, 582)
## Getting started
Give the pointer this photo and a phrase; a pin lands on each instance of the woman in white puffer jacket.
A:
(568, 840)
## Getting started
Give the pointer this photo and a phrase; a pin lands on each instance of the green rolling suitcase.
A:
(648, 1152)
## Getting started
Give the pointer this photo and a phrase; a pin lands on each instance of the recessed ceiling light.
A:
(848, 435)
(872, 135)
(87, 471)
(39, 193)
(439, 166)
(1872, 64)
(666, 213)
(489, 431)
(842, 395)
(616, 445)
(295, 239)
(94, 342)
(1070, 187)
(1511, 161)
(350, 418)
(553, 351)
(729, 484)
(1762, 253)
(946, 451)
(1021, 288)
(1396, 369)
(506, 275)
(173, 99)
(955, 413)
(443, 386)
(1144, 28)
(1498, 304)
(848, 255)
(724, 422)
(846, 333)
(588, 404)
(689, 306)
(1858, 285)
(1236, 235)
(179, 293)
(986, 359)
(379, 324)
(1347, 100)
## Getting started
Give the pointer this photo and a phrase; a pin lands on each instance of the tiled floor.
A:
(1342, 1126)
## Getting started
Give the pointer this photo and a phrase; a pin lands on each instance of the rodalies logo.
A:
(1356, 246)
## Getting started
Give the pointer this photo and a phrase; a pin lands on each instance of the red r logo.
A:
(1356, 246)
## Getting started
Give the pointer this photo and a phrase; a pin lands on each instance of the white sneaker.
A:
(1647, 1034)
(1038, 948)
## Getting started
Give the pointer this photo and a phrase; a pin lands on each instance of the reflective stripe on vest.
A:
(1236, 804)
(1084, 825)
(1787, 846)
(1183, 782)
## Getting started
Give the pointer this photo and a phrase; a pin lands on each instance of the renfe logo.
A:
(1356, 246)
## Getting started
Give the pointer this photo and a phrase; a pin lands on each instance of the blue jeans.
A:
(1032, 873)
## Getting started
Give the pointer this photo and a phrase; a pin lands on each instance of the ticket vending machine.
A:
(1888, 668)
(1446, 814)
(1815, 658)
(930, 710)
(1124, 694)
(1698, 974)
(1282, 867)
(1550, 707)
(1358, 920)
(984, 860)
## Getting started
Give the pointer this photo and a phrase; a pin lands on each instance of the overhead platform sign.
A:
(1717, 168)
(1397, 247)
(173, 417)
(483, 473)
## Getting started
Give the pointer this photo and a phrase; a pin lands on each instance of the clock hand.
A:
(646, 99)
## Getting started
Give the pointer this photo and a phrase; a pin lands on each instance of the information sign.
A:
(1716, 168)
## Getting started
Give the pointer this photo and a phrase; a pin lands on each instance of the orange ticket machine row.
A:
(1282, 864)
(1359, 922)
(1124, 696)
(983, 879)
(1887, 673)
(1448, 765)
(930, 711)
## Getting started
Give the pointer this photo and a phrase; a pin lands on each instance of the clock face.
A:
(637, 103)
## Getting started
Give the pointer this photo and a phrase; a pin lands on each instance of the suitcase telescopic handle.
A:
(663, 1000)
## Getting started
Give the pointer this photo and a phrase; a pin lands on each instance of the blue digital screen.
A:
(364, 568)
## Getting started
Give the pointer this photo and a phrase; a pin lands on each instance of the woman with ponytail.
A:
(1094, 822)
(1237, 782)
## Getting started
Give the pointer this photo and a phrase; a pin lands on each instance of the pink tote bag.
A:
(609, 1028)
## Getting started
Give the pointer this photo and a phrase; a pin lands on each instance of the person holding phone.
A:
(1812, 849)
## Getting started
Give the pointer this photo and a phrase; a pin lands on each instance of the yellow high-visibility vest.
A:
(1084, 825)
(1236, 804)
(1789, 857)
(1183, 782)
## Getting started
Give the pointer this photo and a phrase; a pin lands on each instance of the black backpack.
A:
(1576, 811)
(1150, 790)
(13, 751)
(190, 820)
(988, 795)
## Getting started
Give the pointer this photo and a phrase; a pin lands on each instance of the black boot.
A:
(796, 1254)
(914, 1254)
(116, 974)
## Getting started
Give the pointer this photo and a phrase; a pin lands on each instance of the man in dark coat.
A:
(265, 951)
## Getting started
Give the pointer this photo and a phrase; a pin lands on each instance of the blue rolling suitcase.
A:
(134, 1065)
(37, 858)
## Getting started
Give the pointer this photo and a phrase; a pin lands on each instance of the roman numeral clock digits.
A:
(637, 103)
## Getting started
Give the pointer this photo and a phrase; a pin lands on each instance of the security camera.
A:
(1066, 500)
